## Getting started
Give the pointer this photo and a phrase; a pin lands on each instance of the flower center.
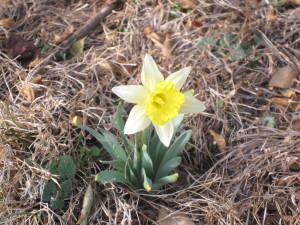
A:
(158, 100)
(163, 103)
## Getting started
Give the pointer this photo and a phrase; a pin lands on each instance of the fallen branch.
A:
(85, 31)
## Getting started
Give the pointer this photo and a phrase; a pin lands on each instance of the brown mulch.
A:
(255, 181)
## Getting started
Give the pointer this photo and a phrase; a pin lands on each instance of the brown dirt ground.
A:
(255, 181)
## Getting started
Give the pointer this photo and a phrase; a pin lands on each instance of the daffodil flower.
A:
(157, 101)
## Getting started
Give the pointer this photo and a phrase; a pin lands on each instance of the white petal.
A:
(191, 105)
(165, 132)
(137, 120)
(132, 93)
(150, 73)
(178, 78)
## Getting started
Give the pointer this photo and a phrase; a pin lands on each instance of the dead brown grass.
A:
(251, 183)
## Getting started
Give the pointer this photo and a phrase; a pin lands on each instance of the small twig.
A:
(85, 31)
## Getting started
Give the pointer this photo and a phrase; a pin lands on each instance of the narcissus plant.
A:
(147, 161)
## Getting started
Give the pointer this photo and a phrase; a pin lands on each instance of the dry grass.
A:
(251, 183)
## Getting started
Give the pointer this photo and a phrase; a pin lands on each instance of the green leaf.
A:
(112, 141)
(49, 191)
(248, 49)
(120, 152)
(65, 189)
(77, 47)
(237, 53)
(147, 182)
(147, 163)
(258, 38)
(78, 141)
(166, 168)
(165, 180)
(227, 41)
(96, 152)
(136, 139)
(112, 176)
(132, 176)
(156, 151)
(145, 136)
(175, 148)
(207, 42)
(117, 164)
(66, 167)
(53, 167)
(100, 138)
(57, 204)
(175, 10)
(119, 120)
(119, 124)
(136, 158)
